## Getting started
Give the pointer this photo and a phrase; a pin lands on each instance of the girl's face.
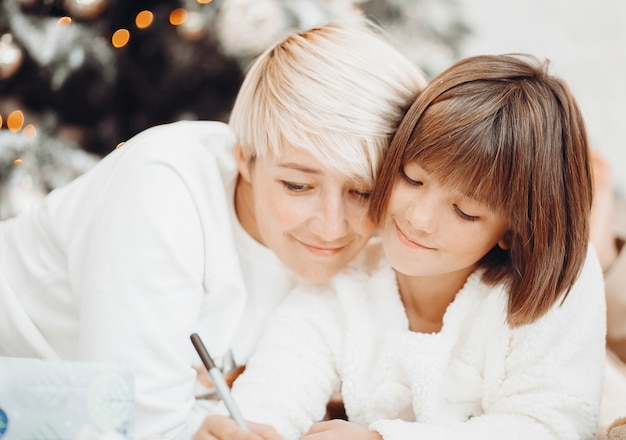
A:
(313, 217)
(430, 230)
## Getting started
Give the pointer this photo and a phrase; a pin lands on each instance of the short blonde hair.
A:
(337, 91)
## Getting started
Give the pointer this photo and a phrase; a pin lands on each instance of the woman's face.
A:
(430, 230)
(313, 217)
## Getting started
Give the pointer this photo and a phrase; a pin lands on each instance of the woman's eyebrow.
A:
(298, 167)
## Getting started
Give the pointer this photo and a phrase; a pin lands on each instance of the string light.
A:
(15, 120)
(120, 38)
(29, 131)
(178, 16)
(64, 21)
(15, 123)
(143, 19)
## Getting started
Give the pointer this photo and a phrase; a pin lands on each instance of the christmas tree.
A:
(78, 77)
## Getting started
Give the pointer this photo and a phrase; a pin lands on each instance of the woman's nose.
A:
(329, 221)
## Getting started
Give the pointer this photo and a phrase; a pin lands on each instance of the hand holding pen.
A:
(218, 381)
(213, 426)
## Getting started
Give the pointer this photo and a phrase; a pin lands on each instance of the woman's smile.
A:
(321, 250)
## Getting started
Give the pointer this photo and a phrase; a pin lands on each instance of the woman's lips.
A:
(322, 251)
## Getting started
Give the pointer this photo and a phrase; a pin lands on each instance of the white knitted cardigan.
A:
(475, 379)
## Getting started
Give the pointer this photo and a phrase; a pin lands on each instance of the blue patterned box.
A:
(56, 400)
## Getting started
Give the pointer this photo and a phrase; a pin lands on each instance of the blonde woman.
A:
(204, 227)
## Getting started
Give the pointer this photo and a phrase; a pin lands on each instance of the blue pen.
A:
(220, 384)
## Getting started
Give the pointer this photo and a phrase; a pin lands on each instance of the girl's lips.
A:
(408, 242)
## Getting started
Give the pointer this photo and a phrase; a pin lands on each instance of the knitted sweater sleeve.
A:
(291, 392)
(545, 382)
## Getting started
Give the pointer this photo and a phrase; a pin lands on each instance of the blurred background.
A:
(585, 42)
(78, 77)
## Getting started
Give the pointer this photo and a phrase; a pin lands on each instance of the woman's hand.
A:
(339, 430)
(217, 427)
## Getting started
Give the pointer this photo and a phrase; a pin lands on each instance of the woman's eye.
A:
(363, 195)
(295, 187)
(408, 180)
(465, 216)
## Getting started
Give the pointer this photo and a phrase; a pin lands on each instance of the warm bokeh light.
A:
(120, 38)
(15, 120)
(204, 2)
(0, 121)
(119, 145)
(178, 16)
(64, 21)
(29, 131)
(17, 162)
(144, 19)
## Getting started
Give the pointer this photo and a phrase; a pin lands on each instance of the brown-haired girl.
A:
(486, 319)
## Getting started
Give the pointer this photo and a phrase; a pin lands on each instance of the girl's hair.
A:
(338, 91)
(506, 133)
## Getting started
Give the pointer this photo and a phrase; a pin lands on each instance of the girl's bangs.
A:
(470, 168)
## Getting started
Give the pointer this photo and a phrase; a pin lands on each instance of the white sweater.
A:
(126, 261)
(476, 379)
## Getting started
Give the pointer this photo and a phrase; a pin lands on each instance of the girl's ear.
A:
(243, 164)
(505, 241)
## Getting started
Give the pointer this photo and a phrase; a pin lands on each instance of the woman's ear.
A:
(243, 164)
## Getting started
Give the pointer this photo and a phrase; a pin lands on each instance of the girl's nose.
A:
(423, 215)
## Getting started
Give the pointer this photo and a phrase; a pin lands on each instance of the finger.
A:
(218, 427)
(329, 429)
(265, 431)
(233, 432)
(318, 427)
(202, 434)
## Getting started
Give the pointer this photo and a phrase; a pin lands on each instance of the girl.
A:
(486, 319)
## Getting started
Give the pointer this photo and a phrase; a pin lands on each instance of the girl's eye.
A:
(295, 187)
(408, 180)
(465, 216)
